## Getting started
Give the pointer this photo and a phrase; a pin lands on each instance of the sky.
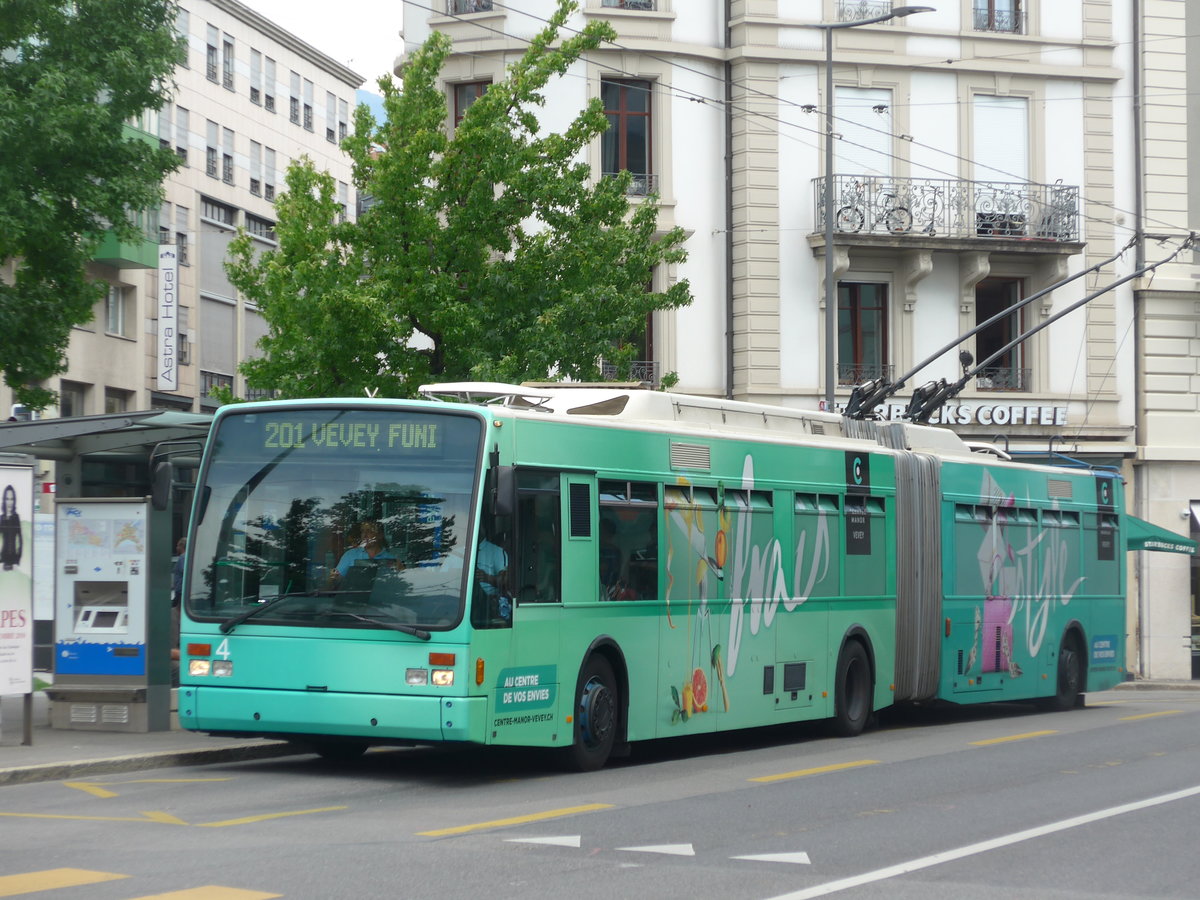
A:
(361, 34)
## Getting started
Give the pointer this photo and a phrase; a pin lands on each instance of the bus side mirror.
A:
(160, 485)
(503, 491)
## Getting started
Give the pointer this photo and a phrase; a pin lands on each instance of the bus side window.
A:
(538, 572)
(628, 552)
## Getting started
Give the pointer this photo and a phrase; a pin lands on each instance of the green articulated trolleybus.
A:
(585, 568)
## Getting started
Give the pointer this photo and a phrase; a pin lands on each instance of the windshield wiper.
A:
(229, 624)
(381, 623)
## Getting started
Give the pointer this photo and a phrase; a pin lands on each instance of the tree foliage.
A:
(489, 252)
(71, 76)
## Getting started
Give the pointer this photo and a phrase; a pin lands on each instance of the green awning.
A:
(1142, 535)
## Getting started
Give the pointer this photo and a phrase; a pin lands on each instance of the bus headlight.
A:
(443, 677)
(416, 676)
(199, 667)
(222, 668)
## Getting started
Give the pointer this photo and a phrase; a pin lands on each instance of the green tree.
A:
(72, 74)
(487, 253)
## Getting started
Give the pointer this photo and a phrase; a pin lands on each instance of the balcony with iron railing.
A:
(640, 184)
(460, 7)
(644, 370)
(857, 10)
(646, 5)
(1004, 378)
(857, 373)
(948, 209)
(1003, 21)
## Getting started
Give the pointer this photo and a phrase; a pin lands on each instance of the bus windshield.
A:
(335, 517)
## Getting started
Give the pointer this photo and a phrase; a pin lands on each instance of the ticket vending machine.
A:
(113, 639)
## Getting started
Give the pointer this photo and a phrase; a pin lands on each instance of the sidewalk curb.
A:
(140, 761)
(1158, 686)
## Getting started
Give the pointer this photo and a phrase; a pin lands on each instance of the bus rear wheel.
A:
(1069, 686)
(852, 691)
(596, 713)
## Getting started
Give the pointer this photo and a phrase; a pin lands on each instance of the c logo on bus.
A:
(858, 470)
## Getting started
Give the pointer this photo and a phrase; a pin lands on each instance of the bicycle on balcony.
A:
(884, 213)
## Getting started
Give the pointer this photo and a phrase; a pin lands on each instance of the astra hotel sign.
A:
(168, 318)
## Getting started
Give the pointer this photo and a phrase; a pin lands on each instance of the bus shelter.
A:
(109, 639)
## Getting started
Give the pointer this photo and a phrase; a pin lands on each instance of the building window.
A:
(255, 76)
(1000, 15)
(209, 381)
(256, 168)
(630, 4)
(117, 313)
(181, 234)
(343, 119)
(211, 153)
(625, 146)
(181, 134)
(269, 174)
(465, 94)
(72, 399)
(294, 99)
(458, 7)
(1005, 373)
(343, 194)
(308, 105)
(227, 62)
(269, 85)
(117, 401)
(330, 117)
(862, 332)
(211, 58)
(216, 211)
(227, 158)
(181, 29)
(263, 228)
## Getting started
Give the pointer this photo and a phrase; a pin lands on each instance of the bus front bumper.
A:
(381, 717)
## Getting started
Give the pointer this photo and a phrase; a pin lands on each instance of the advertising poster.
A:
(16, 579)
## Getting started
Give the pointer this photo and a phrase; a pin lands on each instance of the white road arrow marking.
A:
(671, 849)
(566, 841)
(798, 858)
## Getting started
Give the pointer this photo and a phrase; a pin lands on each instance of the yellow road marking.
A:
(247, 820)
(211, 892)
(1012, 737)
(29, 882)
(1165, 712)
(149, 817)
(819, 770)
(517, 820)
(100, 788)
(94, 789)
(165, 818)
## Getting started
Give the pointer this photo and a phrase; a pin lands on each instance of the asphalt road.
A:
(981, 802)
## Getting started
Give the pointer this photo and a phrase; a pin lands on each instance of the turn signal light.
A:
(441, 659)
(479, 670)
(199, 649)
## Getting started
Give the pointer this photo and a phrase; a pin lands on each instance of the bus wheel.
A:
(596, 705)
(852, 691)
(1069, 692)
(338, 751)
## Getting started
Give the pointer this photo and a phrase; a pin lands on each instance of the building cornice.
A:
(289, 40)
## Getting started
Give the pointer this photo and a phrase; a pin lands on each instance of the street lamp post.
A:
(831, 288)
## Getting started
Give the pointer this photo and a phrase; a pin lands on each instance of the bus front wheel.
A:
(852, 691)
(595, 713)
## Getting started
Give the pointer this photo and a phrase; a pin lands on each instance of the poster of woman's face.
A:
(16, 517)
